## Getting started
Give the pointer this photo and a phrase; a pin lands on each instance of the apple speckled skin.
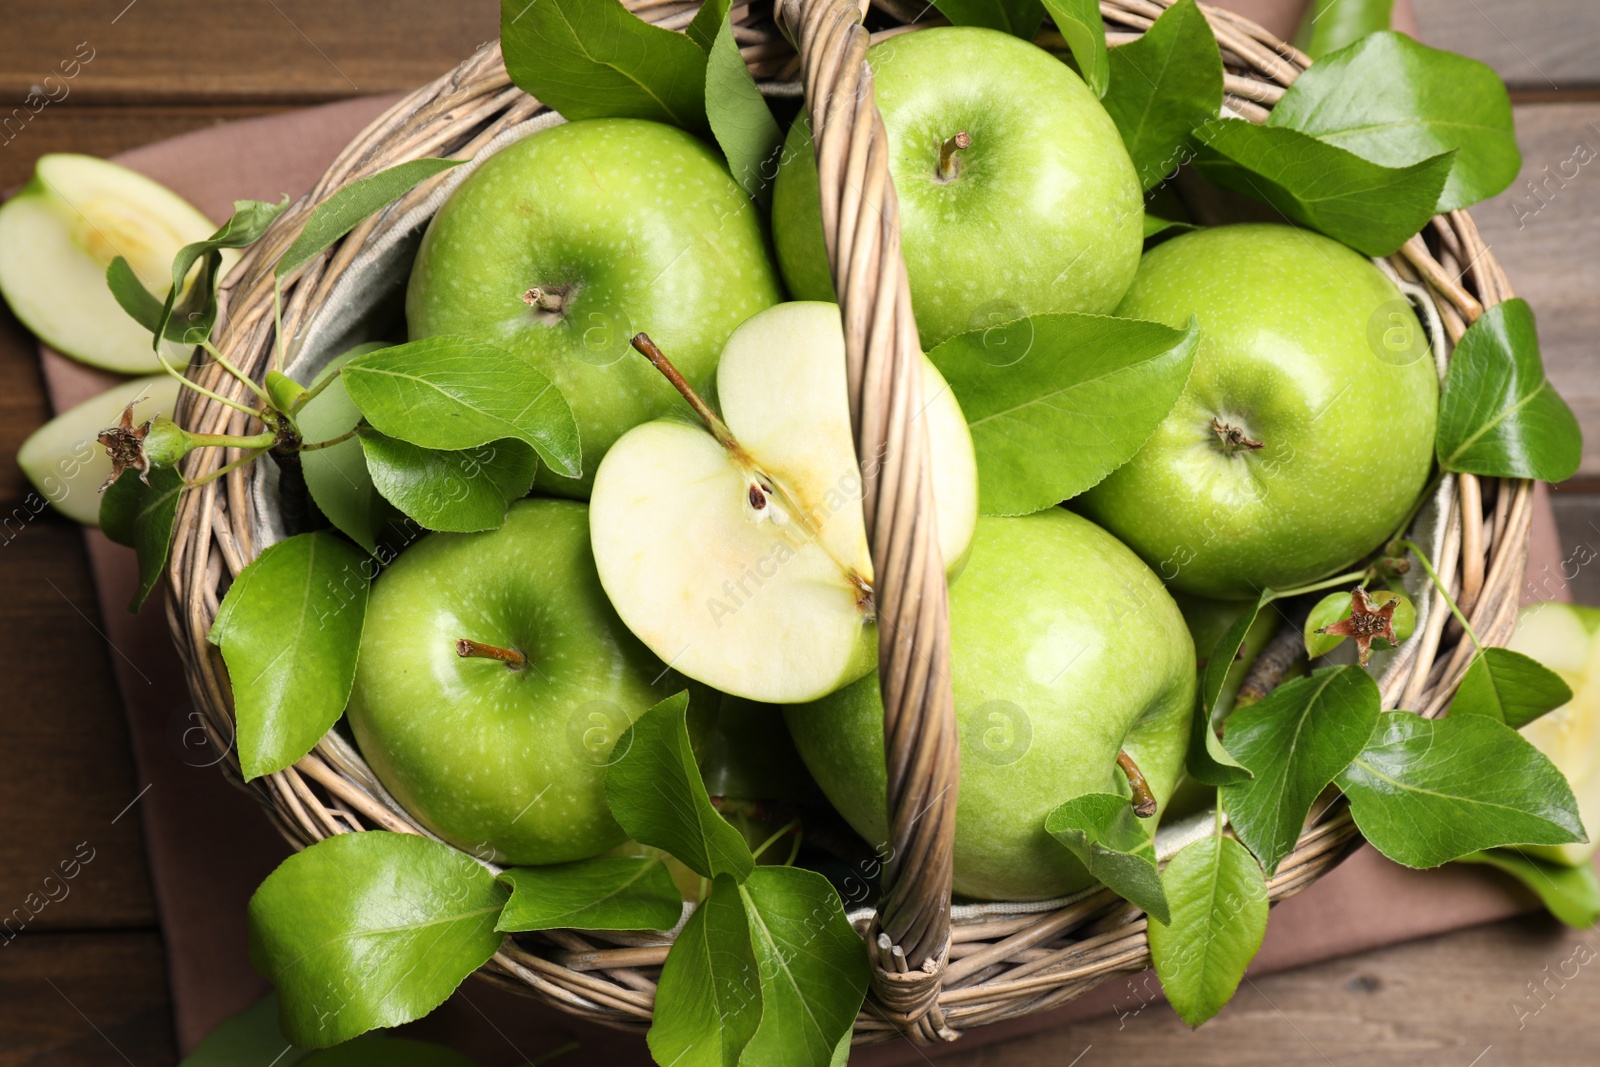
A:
(1044, 214)
(1292, 352)
(642, 227)
(508, 765)
(1065, 648)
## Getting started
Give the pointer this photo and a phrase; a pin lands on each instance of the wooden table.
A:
(85, 982)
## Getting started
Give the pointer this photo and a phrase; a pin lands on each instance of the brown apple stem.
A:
(947, 154)
(719, 429)
(1234, 439)
(1144, 801)
(544, 299)
(468, 649)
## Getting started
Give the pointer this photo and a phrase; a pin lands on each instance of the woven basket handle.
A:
(910, 937)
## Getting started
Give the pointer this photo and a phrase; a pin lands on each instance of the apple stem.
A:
(947, 154)
(513, 659)
(1234, 439)
(1144, 801)
(658, 359)
(544, 299)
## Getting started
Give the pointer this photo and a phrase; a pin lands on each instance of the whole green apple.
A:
(1065, 651)
(564, 245)
(1305, 433)
(504, 759)
(1040, 211)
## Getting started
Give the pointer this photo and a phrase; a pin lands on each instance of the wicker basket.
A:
(935, 971)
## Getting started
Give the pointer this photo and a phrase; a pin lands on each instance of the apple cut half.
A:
(736, 550)
(64, 459)
(60, 233)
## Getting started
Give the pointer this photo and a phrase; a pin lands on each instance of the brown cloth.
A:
(210, 846)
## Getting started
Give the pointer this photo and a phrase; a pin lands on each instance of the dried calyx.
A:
(1365, 623)
(1233, 438)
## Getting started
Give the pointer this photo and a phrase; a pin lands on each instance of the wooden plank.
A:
(1578, 524)
(72, 857)
(1535, 45)
(190, 51)
(83, 1000)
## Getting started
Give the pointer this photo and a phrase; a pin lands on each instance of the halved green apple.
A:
(739, 556)
(65, 462)
(60, 233)
(1566, 639)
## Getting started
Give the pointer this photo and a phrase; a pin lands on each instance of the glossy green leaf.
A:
(1163, 85)
(289, 629)
(1427, 791)
(1509, 687)
(1295, 741)
(593, 59)
(1331, 24)
(350, 206)
(1079, 22)
(604, 893)
(132, 296)
(189, 316)
(1154, 225)
(142, 517)
(337, 476)
(1057, 402)
(1498, 414)
(1571, 894)
(812, 966)
(708, 1002)
(657, 796)
(454, 393)
(1219, 916)
(1396, 102)
(1101, 830)
(248, 1038)
(1208, 760)
(371, 929)
(459, 492)
(740, 119)
(1372, 208)
(1019, 17)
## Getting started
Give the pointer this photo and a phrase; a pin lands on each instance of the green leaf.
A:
(592, 59)
(605, 893)
(657, 796)
(812, 966)
(1509, 687)
(1057, 402)
(289, 629)
(454, 393)
(1154, 225)
(188, 317)
(1163, 85)
(1372, 208)
(371, 929)
(703, 28)
(252, 1038)
(461, 491)
(708, 1002)
(743, 124)
(142, 517)
(1498, 414)
(337, 476)
(346, 209)
(1393, 101)
(1295, 741)
(1079, 22)
(1427, 791)
(1331, 24)
(1208, 760)
(374, 1051)
(1571, 894)
(1219, 915)
(1102, 831)
(133, 297)
(1018, 17)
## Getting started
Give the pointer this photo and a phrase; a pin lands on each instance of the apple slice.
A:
(1563, 637)
(65, 461)
(739, 556)
(60, 233)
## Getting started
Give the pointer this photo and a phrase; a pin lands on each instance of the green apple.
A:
(505, 758)
(1065, 651)
(64, 458)
(1566, 639)
(1040, 211)
(60, 233)
(739, 556)
(564, 245)
(1305, 433)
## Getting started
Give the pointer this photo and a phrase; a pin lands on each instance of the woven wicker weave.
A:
(933, 976)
